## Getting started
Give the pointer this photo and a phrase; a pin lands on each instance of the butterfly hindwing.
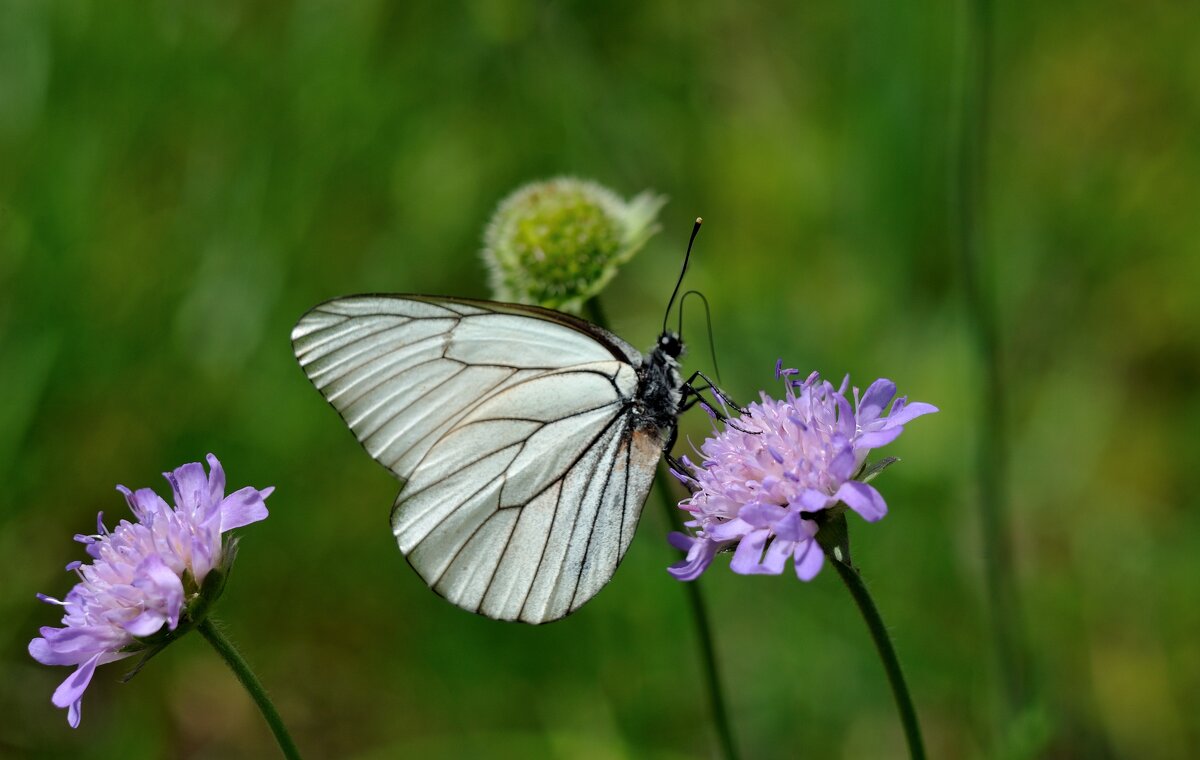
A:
(512, 427)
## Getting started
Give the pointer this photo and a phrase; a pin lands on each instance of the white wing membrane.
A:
(524, 475)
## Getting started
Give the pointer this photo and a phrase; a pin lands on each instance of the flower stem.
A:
(241, 669)
(595, 312)
(708, 656)
(883, 643)
(991, 451)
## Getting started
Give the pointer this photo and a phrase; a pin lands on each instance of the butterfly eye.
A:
(670, 345)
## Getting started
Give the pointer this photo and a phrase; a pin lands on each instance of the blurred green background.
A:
(179, 182)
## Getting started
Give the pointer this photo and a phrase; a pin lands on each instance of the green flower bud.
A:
(557, 243)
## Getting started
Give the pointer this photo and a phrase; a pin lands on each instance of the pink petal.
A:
(244, 507)
(909, 412)
(699, 557)
(813, 500)
(150, 621)
(747, 558)
(70, 692)
(791, 528)
(863, 499)
(40, 650)
(216, 480)
(809, 559)
(846, 422)
(877, 438)
(163, 590)
(778, 553)
(143, 502)
(70, 646)
(844, 463)
(729, 531)
(190, 485)
(761, 515)
(681, 541)
(875, 399)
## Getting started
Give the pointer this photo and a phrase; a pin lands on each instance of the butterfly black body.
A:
(660, 388)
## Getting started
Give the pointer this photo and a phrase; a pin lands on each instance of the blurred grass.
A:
(179, 182)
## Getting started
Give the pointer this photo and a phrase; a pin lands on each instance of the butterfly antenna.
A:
(682, 272)
(712, 345)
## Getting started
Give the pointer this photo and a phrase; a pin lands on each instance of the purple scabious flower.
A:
(142, 575)
(763, 477)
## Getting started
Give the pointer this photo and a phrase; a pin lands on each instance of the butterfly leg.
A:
(680, 470)
(725, 398)
(692, 396)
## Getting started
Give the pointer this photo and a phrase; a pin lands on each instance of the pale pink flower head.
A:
(763, 479)
(143, 575)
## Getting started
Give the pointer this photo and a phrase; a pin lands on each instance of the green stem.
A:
(891, 664)
(708, 656)
(241, 669)
(595, 313)
(991, 465)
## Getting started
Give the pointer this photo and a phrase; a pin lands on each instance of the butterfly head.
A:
(670, 344)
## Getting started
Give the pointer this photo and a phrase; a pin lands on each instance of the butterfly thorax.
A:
(660, 387)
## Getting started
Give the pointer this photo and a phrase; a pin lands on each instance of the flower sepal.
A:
(214, 585)
(870, 470)
(833, 533)
(195, 611)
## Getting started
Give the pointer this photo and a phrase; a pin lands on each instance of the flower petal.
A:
(43, 652)
(875, 399)
(731, 530)
(216, 480)
(761, 515)
(698, 559)
(150, 621)
(202, 549)
(70, 692)
(909, 412)
(846, 421)
(681, 541)
(877, 438)
(143, 502)
(244, 507)
(161, 597)
(72, 645)
(790, 528)
(813, 500)
(863, 499)
(844, 464)
(190, 486)
(809, 559)
(747, 558)
(777, 555)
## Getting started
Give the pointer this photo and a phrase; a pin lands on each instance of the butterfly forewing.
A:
(512, 427)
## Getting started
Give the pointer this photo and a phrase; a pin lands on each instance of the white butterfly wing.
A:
(511, 426)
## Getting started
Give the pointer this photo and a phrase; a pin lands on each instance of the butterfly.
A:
(526, 439)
